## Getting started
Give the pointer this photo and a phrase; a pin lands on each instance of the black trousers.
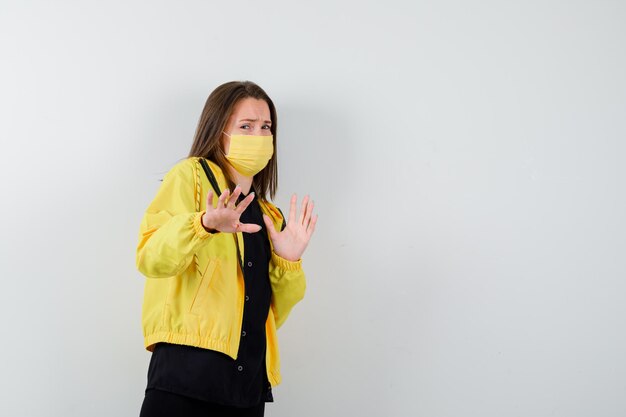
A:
(158, 403)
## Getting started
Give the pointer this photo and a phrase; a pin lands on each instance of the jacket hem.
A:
(189, 340)
(273, 375)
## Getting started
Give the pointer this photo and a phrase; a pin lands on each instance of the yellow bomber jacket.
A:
(194, 294)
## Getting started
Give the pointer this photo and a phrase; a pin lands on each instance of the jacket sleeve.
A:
(288, 286)
(171, 230)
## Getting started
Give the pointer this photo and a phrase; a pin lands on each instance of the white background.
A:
(466, 160)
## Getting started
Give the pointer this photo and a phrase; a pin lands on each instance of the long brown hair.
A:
(207, 139)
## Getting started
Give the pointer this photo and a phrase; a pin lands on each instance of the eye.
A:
(245, 126)
(266, 127)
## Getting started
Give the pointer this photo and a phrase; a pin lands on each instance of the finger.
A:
(233, 198)
(209, 200)
(248, 227)
(221, 201)
(244, 203)
(269, 225)
(305, 202)
(309, 212)
(311, 228)
(292, 208)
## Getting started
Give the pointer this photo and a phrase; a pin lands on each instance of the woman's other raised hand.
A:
(293, 240)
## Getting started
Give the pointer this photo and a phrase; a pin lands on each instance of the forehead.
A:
(250, 108)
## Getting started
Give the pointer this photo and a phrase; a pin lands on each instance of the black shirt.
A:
(214, 376)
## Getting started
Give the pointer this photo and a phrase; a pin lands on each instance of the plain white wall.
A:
(466, 163)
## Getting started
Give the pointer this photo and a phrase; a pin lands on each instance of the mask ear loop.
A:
(222, 150)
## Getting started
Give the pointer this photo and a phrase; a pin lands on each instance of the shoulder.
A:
(182, 166)
(198, 163)
(195, 171)
(188, 167)
(182, 171)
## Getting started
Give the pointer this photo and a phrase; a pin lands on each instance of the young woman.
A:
(223, 265)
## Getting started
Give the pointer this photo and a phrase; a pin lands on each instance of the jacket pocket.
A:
(203, 288)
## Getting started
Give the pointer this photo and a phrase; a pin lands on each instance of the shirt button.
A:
(250, 264)
(243, 333)
(240, 368)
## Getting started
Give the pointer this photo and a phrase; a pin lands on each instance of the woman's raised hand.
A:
(293, 240)
(225, 217)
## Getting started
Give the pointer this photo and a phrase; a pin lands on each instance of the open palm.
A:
(291, 242)
(225, 216)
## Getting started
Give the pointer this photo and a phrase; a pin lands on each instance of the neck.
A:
(242, 180)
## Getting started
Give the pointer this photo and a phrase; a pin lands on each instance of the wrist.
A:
(206, 226)
(286, 263)
(289, 259)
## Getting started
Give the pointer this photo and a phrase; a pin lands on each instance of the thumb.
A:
(270, 226)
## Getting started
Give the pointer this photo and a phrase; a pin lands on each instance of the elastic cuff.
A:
(198, 227)
(285, 264)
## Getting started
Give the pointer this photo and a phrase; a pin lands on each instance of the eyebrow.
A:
(254, 120)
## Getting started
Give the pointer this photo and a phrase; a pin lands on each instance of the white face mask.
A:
(249, 154)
